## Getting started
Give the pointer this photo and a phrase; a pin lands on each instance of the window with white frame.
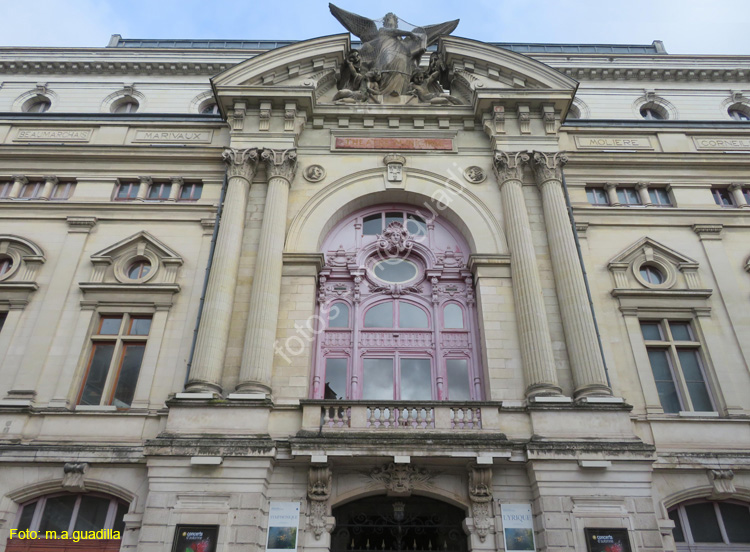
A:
(711, 526)
(628, 196)
(675, 357)
(126, 190)
(72, 512)
(114, 362)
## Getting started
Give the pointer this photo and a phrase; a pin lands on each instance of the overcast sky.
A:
(685, 26)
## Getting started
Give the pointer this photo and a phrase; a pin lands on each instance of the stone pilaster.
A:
(580, 334)
(536, 345)
(611, 189)
(260, 334)
(49, 185)
(642, 188)
(211, 345)
(145, 184)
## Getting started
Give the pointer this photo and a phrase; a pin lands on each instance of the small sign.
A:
(165, 136)
(721, 143)
(195, 538)
(283, 521)
(614, 142)
(53, 135)
(518, 527)
(607, 540)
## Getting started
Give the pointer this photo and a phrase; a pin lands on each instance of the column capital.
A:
(548, 166)
(642, 185)
(610, 186)
(734, 186)
(509, 165)
(280, 163)
(241, 162)
(50, 178)
(177, 180)
(20, 179)
(145, 180)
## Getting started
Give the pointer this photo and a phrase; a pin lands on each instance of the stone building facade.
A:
(221, 289)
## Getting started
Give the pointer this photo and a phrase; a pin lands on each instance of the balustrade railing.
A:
(400, 416)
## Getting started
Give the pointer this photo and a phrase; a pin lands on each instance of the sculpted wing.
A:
(361, 27)
(433, 32)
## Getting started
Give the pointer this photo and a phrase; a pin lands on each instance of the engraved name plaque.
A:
(614, 142)
(163, 136)
(721, 143)
(53, 135)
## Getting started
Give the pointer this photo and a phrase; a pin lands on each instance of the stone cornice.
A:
(658, 74)
(173, 66)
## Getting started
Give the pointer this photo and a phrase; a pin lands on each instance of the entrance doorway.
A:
(392, 524)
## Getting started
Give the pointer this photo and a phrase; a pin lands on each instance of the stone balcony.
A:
(400, 416)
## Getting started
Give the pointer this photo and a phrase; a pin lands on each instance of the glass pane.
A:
(380, 316)
(140, 326)
(57, 513)
(416, 379)
(393, 217)
(335, 379)
(458, 379)
(101, 357)
(159, 191)
(372, 225)
(416, 225)
(24, 522)
(453, 316)
(338, 316)
(378, 379)
(677, 533)
(410, 316)
(651, 331)
(681, 331)
(92, 513)
(703, 523)
(652, 275)
(659, 196)
(119, 524)
(110, 325)
(668, 397)
(632, 196)
(126, 191)
(128, 378)
(736, 521)
(395, 270)
(191, 191)
(696, 385)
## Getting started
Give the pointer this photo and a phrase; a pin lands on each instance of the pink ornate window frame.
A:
(440, 254)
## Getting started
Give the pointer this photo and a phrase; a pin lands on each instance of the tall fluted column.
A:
(536, 345)
(211, 345)
(580, 334)
(258, 351)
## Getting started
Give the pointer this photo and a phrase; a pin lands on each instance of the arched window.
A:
(397, 310)
(72, 512)
(711, 526)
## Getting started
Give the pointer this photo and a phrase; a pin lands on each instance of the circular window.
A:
(210, 109)
(738, 114)
(139, 269)
(38, 105)
(126, 105)
(652, 275)
(395, 271)
(651, 113)
(6, 264)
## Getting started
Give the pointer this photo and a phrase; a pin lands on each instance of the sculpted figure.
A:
(392, 51)
(369, 89)
(421, 88)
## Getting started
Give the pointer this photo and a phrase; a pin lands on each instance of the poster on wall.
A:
(518, 527)
(195, 538)
(607, 540)
(283, 520)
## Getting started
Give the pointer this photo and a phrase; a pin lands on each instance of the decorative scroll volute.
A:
(509, 166)
(480, 494)
(280, 163)
(548, 166)
(241, 162)
(318, 493)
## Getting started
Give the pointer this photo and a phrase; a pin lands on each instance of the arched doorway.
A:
(396, 524)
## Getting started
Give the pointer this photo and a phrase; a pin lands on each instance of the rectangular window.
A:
(31, 190)
(63, 191)
(745, 192)
(723, 197)
(126, 191)
(159, 191)
(378, 379)
(335, 385)
(5, 187)
(117, 349)
(628, 196)
(676, 364)
(659, 197)
(597, 196)
(191, 191)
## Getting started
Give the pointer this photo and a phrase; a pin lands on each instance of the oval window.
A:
(652, 275)
(395, 271)
(139, 269)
